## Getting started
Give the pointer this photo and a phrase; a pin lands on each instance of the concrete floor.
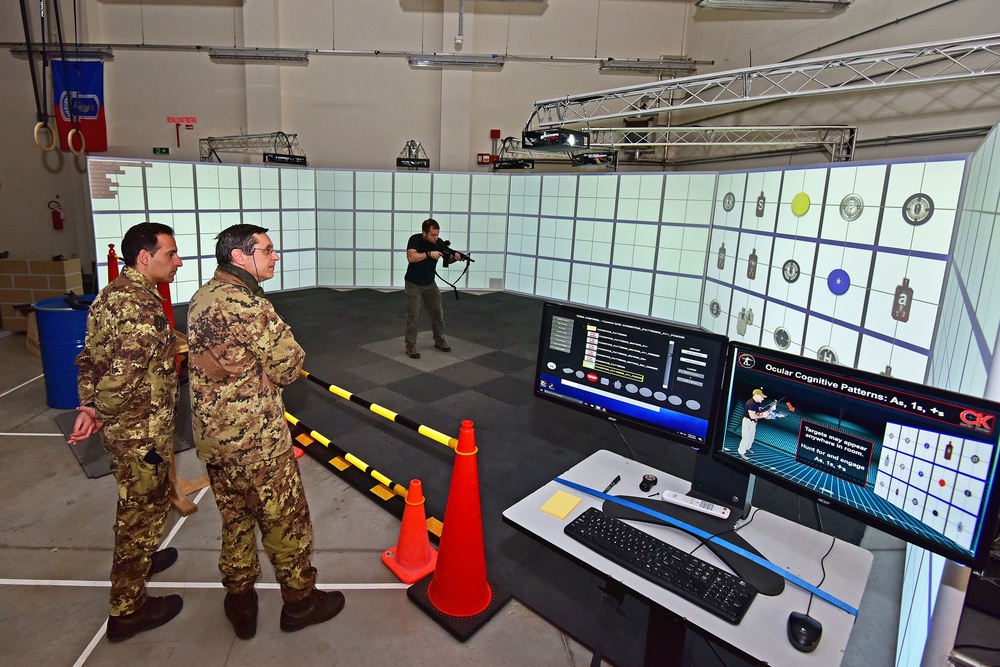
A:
(55, 554)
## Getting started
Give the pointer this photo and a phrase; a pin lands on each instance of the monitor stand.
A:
(721, 485)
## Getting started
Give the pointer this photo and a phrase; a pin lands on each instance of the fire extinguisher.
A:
(58, 215)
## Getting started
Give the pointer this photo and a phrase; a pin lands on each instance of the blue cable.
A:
(708, 537)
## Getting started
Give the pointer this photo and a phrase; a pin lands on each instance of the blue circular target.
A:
(838, 281)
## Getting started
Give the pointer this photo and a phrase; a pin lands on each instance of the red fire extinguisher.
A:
(58, 215)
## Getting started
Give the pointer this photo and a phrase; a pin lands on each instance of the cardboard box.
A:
(72, 281)
(13, 319)
(13, 266)
(48, 267)
(32, 341)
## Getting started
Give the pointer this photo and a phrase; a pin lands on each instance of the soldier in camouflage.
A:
(242, 354)
(127, 384)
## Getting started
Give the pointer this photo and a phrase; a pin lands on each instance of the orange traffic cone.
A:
(413, 557)
(457, 595)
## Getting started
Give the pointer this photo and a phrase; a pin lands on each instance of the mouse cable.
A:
(822, 564)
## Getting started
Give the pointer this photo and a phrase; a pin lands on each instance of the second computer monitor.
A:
(917, 462)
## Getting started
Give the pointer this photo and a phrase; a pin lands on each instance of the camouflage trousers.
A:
(143, 505)
(268, 495)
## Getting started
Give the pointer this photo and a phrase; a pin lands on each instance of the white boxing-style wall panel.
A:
(845, 261)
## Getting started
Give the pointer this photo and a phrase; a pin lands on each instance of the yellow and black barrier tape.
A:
(395, 487)
(427, 431)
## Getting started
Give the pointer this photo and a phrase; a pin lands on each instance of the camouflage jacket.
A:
(241, 355)
(128, 366)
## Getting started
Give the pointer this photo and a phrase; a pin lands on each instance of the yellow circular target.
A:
(800, 204)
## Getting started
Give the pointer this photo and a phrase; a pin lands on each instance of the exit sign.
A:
(161, 150)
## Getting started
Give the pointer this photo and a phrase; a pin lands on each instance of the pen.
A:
(610, 486)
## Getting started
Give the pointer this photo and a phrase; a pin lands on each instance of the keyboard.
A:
(711, 588)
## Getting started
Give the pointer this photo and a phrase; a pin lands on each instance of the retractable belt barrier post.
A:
(427, 431)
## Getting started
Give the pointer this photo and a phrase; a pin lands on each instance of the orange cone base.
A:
(406, 574)
(460, 627)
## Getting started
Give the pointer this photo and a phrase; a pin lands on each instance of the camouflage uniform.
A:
(128, 371)
(241, 355)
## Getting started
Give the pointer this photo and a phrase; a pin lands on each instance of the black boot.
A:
(152, 614)
(162, 559)
(316, 607)
(241, 610)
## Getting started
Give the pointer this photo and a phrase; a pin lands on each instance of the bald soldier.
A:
(241, 356)
(127, 384)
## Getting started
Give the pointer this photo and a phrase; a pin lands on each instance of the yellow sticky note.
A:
(560, 504)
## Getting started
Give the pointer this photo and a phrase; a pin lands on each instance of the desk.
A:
(762, 634)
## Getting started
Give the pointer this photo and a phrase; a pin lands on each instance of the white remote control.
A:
(695, 504)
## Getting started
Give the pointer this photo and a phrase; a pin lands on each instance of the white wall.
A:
(356, 112)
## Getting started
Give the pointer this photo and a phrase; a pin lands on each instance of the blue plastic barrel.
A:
(62, 331)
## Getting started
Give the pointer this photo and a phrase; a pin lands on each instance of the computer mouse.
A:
(804, 631)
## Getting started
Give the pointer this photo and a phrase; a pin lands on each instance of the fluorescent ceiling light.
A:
(260, 55)
(814, 6)
(456, 61)
(672, 65)
(72, 51)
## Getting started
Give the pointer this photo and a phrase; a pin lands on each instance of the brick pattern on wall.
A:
(25, 281)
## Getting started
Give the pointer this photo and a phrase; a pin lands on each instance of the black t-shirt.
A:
(422, 272)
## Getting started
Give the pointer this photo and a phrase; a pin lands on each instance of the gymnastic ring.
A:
(52, 135)
(83, 142)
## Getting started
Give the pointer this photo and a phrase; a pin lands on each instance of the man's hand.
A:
(458, 257)
(85, 426)
(434, 254)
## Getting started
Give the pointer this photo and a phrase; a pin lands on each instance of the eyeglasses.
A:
(268, 251)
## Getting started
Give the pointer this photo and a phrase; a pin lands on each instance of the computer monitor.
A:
(652, 375)
(914, 461)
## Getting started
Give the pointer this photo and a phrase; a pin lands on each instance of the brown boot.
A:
(152, 614)
(241, 610)
(316, 607)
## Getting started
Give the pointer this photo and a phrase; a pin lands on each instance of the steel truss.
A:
(837, 140)
(275, 142)
(934, 62)
(651, 144)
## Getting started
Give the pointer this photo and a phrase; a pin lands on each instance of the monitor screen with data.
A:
(914, 461)
(652, 375)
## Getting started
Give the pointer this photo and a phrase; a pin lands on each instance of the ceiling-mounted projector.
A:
(556, 139)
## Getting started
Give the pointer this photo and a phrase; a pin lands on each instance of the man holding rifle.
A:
(423, 250)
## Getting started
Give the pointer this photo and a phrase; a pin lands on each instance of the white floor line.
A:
(100, 633)
(194, 585)
(21, 385)
(184, 585)
(40, 435)
(180, 522)
(93, 644)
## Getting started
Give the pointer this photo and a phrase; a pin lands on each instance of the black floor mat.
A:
(354, 339)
